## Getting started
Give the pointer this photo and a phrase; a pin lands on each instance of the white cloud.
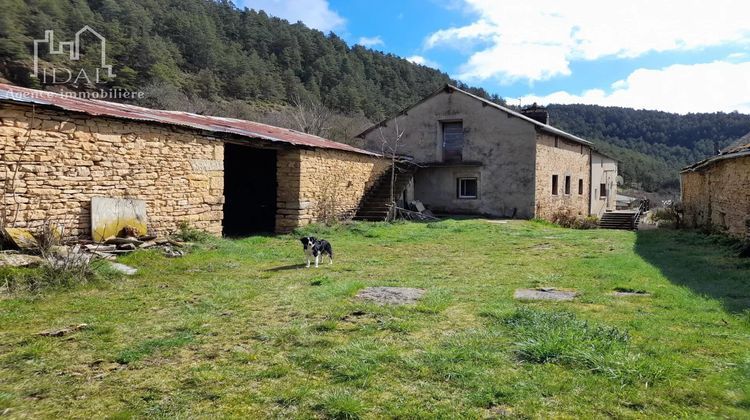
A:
(418, 59)
(370, 41)
(314, 13)
(707, 87)
(538, 40)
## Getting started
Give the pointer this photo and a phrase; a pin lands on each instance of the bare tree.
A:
(310, 116)
(389, 148)
(9, 186)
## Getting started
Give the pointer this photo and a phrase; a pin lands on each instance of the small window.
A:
(557, 141)
(554, 184)
(602, 190)
(580, 187)
(467, 188)
(567, 185)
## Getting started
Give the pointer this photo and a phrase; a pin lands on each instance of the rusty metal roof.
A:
(242, 128)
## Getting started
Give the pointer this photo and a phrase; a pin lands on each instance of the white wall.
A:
(603, 171)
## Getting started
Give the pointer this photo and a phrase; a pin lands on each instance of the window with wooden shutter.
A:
(453, 141)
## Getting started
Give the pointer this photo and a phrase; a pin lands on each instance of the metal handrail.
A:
(642, 208)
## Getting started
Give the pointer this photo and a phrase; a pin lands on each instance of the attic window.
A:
(453, 141)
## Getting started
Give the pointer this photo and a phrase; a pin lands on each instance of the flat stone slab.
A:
(110, 215)
(544, 294)
(19, 260)
(625, 294)
(391, 295)
(22, 238)
(124, 269)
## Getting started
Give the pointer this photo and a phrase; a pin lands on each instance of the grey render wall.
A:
(504, 145)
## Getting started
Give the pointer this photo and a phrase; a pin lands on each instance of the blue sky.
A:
(672, 55)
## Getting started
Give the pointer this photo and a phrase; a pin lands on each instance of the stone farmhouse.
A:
(716, 191)
(217, 174)
(473, 156)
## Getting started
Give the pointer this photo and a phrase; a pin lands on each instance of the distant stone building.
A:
(218, 174)
(716, 191)
(477, 157)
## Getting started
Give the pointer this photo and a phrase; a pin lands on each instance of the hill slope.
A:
(214, 51)
(652, 145)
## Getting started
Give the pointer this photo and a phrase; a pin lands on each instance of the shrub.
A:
(667, 214)
(565, 217)
(63, 272)
(62, 266)
(187, 233)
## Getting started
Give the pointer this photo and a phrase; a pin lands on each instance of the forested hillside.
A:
(212, 50)
(210, 57)
(652, 145)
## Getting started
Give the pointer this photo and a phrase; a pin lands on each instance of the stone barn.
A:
(716, 191)
(473, 156)
(225, 176)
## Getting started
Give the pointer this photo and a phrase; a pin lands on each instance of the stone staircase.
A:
(626, 220)
(375, 204)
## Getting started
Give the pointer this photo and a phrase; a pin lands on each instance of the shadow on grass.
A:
(707, 264)
(287, 267)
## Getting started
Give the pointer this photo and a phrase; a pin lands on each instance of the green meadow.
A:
(239, 328)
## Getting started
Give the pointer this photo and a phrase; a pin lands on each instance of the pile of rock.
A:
(113, 246)
(28, 252)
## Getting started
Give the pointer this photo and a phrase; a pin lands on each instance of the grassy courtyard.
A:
(240, 328)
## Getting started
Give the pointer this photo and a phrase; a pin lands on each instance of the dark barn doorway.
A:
(249, 190)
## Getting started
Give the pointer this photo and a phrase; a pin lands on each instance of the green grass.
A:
(239, 328)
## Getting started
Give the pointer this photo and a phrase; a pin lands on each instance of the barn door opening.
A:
(249, 190)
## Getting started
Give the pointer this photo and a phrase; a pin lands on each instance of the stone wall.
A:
(558, 156)
(67, 158)
(319, 184)
(719, 197)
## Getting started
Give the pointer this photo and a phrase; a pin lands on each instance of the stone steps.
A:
(624, 221)
(377, 201)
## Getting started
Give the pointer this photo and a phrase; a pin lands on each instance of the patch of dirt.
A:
(391, 295)
(63, 331)
(546, 293)
(497, 411)
(352, 316)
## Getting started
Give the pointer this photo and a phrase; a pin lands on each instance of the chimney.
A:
(536, 112)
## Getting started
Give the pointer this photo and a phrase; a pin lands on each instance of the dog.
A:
(316, 248)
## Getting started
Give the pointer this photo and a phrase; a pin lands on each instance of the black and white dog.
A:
(316, 248)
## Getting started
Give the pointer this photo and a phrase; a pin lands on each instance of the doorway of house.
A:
(249, 190)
